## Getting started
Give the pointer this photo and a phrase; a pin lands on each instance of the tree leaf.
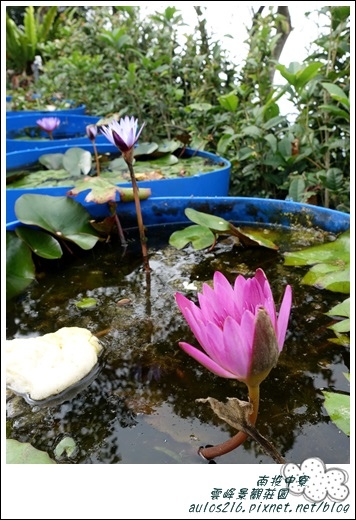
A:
(337, 93)
(229, 101)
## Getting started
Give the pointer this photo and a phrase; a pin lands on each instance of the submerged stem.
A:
(139, 217)
(240, 437)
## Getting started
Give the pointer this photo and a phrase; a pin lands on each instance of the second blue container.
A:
(23, 133)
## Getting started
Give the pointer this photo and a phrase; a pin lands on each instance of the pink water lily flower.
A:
(123, 134)
(48, 124)
(237, 327)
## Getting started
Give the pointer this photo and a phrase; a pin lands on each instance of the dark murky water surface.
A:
(141, 407)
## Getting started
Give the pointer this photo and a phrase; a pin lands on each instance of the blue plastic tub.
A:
(71, 131)
(214, 183)
(241, 210)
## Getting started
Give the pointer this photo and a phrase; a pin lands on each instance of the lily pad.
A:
(77, 161)
(145, 149)
(337, 252)
(24, 453)
(52, 161)
(201, 237)
(103, 190)
(338, 408)
(42, 244)
(86, 303)
(67, 446)
(335, 279)
(221, 226)
(207, 220)
(20, 269)
(341, 309)
(63, 217)
(330, 261)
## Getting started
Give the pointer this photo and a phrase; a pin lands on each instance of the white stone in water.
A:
(46, 365)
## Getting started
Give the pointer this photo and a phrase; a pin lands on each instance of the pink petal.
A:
(206, 361)
(237, 350)
(283, 316)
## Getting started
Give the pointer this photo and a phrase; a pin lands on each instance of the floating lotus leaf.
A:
(41, 243)
(77, 161)
(24, 453)
(63, 217)
(20, 269)
(201, 237)
(338, 408)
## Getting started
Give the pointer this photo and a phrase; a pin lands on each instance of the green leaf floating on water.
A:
(210, 221)
(203, 235)
(86, 303)
(330, 261)
(338, 408)
(24, 453)
(145, 149)
(103, 190)
(20, 269)
(342, 309)
(52, 161)
(42, 244)
(67, 446)
(336, 252)
(63, 217)
(77, 161)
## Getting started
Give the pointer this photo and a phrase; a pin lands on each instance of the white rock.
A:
(46, 365)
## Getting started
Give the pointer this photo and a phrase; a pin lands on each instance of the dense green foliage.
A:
(115, 60)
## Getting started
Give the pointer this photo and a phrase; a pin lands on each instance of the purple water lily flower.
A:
(237, 327)
(91, 131)
(48, 124)
(123, 134)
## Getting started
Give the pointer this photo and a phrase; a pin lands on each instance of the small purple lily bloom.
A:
(123, 134)
(48, 124)
(237, 327)
(91, 131)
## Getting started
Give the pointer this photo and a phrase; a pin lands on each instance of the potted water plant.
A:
(167, 169)
(227, 273)
(144, 375)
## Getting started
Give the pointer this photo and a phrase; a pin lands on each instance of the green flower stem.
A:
(139, 216)
(221, 449)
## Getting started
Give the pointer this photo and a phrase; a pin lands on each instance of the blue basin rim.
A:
(241, 210)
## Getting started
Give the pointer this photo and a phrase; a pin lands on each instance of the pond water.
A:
(141, 408)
